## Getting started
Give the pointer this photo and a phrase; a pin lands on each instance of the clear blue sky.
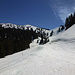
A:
(41, 13)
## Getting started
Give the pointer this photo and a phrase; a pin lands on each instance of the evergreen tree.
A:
(62, 27)
(58, 30)
(70, 21)
(14, 40)
(51, 33)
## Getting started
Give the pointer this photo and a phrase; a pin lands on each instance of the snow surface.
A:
(57, 57)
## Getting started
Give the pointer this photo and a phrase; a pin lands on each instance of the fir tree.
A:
(51, 33)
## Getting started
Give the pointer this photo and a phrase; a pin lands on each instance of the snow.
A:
(57, 57)
(34, 43)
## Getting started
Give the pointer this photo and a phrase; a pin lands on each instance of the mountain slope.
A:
(57, 57)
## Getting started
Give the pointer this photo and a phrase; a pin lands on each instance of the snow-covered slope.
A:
(57, 57)
(68, 35)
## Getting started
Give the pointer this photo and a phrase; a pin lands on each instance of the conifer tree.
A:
(70, 21)
(51, 33)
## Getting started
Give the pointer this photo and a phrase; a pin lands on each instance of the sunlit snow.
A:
(57, 57)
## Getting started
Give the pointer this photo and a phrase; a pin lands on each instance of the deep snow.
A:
(57, 57)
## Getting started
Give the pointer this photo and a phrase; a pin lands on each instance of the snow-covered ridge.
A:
(29, 27)
(25, 27)
(9, 25)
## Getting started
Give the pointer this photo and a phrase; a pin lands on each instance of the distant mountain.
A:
(25, 27)
(9, 25)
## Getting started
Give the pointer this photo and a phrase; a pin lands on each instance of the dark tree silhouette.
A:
(51, 33)
(62, 27)
(14, 40)
(70, 21)
(58, 30)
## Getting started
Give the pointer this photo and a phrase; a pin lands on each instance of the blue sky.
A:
(42, 13)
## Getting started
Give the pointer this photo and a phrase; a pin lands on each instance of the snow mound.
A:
(35, 42)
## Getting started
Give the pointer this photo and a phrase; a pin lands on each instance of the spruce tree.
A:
(51, 33)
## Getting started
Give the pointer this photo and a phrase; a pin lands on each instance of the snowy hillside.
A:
(68, 35)
(15, 38)
(57, 57)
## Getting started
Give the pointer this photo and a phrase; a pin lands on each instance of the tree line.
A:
(14, 40)
(70, 21)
